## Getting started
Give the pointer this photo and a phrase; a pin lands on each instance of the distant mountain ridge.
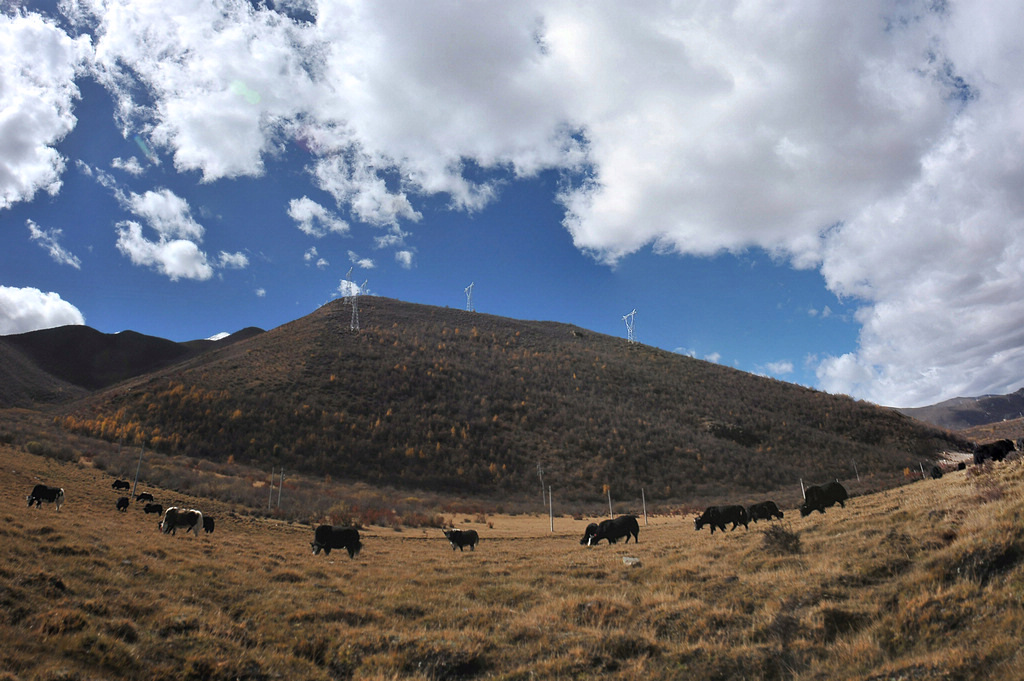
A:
(439, 399)
(961, 413)
(66, 362)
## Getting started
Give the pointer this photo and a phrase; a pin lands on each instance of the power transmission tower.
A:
(630, 320)
(354, 325)
(349, 297)
(469, 297)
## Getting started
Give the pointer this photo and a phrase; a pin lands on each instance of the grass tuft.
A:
(781, 540)
(441, 663)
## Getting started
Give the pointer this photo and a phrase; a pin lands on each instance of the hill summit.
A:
(461, 402)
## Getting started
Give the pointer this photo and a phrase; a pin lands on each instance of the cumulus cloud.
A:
(349, 288)
(224, 78)
(877, 141)
(29, 309)
(404, 258)
(780, 368)
(395, 237)
(38, 65)
(132, 166)
(167, 213)
(175, 252)
(365, 263)
(49, 240)
(234, 261)
(311, 256)
(314, 219)
(175, 258)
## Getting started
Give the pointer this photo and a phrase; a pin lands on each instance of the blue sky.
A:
(827, 195)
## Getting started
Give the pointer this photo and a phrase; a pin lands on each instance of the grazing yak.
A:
(145, 496)
(327, 537)
(460, 538)
(174, 517)
(765, 510)
(153, 508)
(996, 451)
(41, 493)
(122, 504)
(720, 516)
(207, 524)
(121, 484)
(819, 498)
(612, 530)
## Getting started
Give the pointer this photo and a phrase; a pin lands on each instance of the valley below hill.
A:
(919, 582)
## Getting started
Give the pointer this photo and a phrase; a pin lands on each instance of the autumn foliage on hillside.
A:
(453, 401)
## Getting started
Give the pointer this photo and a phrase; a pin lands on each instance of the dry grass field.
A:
(921, 582)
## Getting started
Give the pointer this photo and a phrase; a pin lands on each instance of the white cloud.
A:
(167, 213)
(404, 258)
(349, 288)
(29, 309)
(311, 256)
(261, 293)
(175, 253)
(234, 261)
(132, 166)
(49, 240)
(395, 237)
(780, 368)
(38, 65)
(314, 219)
(224, 78)
(365, 263)
(176, 258)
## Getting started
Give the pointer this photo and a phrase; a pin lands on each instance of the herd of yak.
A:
(329, 537)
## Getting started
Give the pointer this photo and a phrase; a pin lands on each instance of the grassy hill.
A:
(920, 583)
(427, 398)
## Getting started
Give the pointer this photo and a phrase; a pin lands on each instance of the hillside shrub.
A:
(781, 541)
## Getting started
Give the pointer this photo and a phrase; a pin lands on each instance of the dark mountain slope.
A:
(82, 357)
(23, 384)
(453, 401)
(90, 359)
(966, 412)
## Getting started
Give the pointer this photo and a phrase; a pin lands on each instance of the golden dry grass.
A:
(920, 582)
